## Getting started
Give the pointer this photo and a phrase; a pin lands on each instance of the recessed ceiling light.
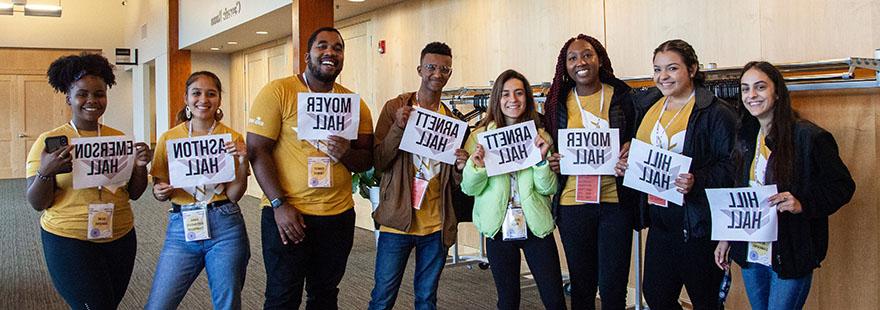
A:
(356, 0)
(215, 48)
(232, 43)
(262, 32)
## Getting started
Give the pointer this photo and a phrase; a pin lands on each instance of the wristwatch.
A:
(276, 203)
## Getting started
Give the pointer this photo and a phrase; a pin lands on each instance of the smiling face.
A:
(513, 100)
(758, 93)
(88, 99)
(203, 98)
(582, 63)
(435, 71)
(325, 58)
(671, 75)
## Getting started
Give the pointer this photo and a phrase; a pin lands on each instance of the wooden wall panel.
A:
(179, 65)
(308, 16)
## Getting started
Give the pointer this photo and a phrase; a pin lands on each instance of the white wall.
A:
(196, 16)
(82, 25)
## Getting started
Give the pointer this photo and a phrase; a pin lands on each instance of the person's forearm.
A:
(236, 189)
(358, 160)
(264, 170)
(137, 183)
(40, 193)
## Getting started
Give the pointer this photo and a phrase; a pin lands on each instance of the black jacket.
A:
(621, 116)
(822, 184)
(709, 142)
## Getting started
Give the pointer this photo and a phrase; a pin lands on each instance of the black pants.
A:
(543, 260)
(318, 262)
(597, 239)
(671, 263)
(90, 275)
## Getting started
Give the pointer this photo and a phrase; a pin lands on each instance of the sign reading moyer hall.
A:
(588, 151)
(433, 135)
(511, 148)
(320, 115)
(199, 160)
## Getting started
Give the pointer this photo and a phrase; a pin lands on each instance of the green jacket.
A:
(535, 184)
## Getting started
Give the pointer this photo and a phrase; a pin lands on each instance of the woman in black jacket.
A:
(778, 147)
(683, 116)
(597, 237)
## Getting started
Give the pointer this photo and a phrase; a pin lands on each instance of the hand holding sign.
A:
(553, 160)
(511, 148)
(477, 157)
(785, 202)
(543, 146)
(401, 117)
(54, 162)
(337, 146)
(144, 154)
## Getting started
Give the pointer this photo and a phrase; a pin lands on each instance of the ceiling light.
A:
(262, 32)
(6, 9)
(356, 0)
(43, 10)
(232, 43)
(215, 48)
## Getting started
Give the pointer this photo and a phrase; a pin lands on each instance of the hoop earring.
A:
(188, 113)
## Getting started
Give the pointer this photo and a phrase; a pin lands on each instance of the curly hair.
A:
(438, 48)
(562, 83)
(66, 70)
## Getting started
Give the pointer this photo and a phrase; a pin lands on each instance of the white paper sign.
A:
(743, 214)
(509, 149)
(199, 161)
(320, 115)
(102, 161)
(653, 170)
(433, 135)
(588, 151)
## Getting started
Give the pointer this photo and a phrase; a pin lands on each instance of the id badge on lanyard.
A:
(514, 226)
(760, 253)
(100, 221)
(320, 172)
(419, 188)
(588, 188)
(195, 221)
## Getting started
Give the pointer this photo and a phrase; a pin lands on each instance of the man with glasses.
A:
(430, 227)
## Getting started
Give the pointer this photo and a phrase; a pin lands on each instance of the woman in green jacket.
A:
(521, 197)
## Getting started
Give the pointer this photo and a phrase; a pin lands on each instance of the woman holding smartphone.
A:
(90, 270)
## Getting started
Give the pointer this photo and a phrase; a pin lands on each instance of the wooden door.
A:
(32, 107)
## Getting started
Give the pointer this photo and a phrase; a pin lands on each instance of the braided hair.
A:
(562, 83)
(66, 70)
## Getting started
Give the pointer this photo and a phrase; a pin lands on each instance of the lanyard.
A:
(200, 188)
(426, 163)
(663, 110)
(190, 129)
(78, 135)
(316, 143)
(758, 147)
(514, 192)
(581, 108)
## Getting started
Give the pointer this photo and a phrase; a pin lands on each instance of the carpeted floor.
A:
(25, 283)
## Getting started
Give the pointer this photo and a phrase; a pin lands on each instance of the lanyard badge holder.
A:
(420, 182)
(660, 138)
(100, 222)
(513, 227)
(320, 167)
(195, 221)
(588, 188)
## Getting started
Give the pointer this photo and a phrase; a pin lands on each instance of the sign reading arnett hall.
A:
(102, 161)
(509, 149)
(433, 135)
(320, 115)
(199, 161)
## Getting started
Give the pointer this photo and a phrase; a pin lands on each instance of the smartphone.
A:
(55, 143)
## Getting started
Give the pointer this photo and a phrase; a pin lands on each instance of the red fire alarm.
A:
(381, 46)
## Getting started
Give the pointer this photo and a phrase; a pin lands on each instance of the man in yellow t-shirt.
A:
(432, 228)
(308, 215)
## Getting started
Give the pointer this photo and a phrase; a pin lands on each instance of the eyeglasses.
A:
(445, 70)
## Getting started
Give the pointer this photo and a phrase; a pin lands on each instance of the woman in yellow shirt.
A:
(681, 115)
(88, 234)
(225, 251)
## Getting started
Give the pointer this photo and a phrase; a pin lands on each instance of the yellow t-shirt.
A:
(69, 214)
(427, 220)
(274, 116)
(160, 160)
(590, 104)
(765, 153)
(675, 125)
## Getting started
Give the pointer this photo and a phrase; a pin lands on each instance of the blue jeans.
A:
(90, 275)
(767, 291)
(392, 253)
(224, 257)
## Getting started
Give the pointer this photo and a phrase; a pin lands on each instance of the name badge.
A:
(419, 188)
(319, 172)
(759, 253)
(100, 221)
(514, 225)
(588, 189)
(657, 201)
(195, 221)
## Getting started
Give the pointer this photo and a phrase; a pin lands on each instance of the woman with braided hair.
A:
(89, 272)
(596, 235)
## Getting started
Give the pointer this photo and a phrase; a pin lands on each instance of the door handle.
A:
(21, 135)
